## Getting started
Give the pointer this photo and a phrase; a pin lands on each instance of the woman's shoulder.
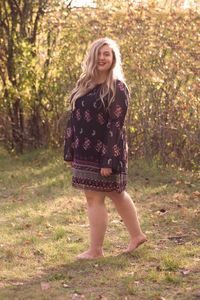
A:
(121, 87)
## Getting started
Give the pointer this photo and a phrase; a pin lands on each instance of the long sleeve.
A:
(113, 148)
(69, 141)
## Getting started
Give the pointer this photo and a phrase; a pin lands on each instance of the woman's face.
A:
(105, 59)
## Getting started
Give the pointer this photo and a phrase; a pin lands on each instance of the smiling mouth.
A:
(101, 64)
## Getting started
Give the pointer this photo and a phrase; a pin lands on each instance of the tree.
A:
(20, 26)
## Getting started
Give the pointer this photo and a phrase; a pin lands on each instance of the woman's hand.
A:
(69, 163)
(106, 172)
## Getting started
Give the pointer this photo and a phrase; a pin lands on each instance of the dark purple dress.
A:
(95, 138)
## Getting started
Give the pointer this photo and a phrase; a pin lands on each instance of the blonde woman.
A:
(95, 143)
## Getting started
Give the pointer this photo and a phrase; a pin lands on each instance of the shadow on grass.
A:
(42, 174)
(113, 277)
(41, 177)
(91, 278)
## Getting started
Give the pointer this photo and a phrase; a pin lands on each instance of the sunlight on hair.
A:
(89, 74)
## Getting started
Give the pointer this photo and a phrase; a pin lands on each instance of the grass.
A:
(43, 226)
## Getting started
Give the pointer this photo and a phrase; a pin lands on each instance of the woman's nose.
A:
(101, 56)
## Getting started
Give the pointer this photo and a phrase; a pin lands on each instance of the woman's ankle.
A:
(96, 250)
(91, 254)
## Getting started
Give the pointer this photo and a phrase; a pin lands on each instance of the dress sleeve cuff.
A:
(112, 163)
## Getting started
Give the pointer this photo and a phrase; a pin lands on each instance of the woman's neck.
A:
(101, 78)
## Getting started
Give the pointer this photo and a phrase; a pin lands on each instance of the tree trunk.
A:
(18, 126)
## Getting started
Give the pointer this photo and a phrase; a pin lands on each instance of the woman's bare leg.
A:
(127, 211)
(97, 215)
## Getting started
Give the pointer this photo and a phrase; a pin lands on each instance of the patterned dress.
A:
(95, 138)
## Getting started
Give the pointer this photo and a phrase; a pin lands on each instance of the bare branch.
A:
(40, 12)
(3, 23)
(18, 8)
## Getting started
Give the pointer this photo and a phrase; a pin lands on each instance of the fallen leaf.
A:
(65, 285)
(28, 225)
(179, 196)
(178, 182)
(2, 285)
(27, 242)
(48, 225)
(17, 283)
(195, 233)
(197, 293)
(196, 259)
(131, 273)
(185, 272)
(38, 252)
(176, 237)
(40, 234)
(75, 238)
(21, 199)
(77, 296)
(162, 211)
(196, 194)
(45, 285)
(84, 225)
(158, 268)
(115, 221)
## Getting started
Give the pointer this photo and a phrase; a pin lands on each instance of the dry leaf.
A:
(28, 225)
(48, 225)
(115, 221)
(76, 296)
(27, 242)
(17, 283)
(179, 196)
(162, 212)
(196, 194)
(45, 285)
(185, 272)
(178, 182)
(197, 293)
(21, 199)
(39, 234)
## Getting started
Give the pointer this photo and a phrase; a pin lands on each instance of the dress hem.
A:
(83, 187)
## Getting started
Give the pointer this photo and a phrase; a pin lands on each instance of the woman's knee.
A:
(94, 198)
(115, 196)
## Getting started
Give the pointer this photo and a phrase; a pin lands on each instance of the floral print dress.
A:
(95, 138)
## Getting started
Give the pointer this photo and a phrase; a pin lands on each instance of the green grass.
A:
(43, 226)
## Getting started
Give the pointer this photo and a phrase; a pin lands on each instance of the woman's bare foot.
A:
(135, 243)
(90, 254)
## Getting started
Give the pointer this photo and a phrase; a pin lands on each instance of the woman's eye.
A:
(104, 54)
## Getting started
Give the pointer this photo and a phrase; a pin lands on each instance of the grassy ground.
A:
(43, 226)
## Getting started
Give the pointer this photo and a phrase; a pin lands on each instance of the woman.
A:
(95, 143)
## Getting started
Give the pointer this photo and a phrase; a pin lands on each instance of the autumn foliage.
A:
(42, 47)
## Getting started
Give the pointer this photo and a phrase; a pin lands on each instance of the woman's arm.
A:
(112, 148)
(69, 141)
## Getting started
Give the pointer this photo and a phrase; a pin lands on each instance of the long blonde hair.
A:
(86, 81)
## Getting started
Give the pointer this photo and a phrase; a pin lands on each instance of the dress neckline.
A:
(97, 85)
